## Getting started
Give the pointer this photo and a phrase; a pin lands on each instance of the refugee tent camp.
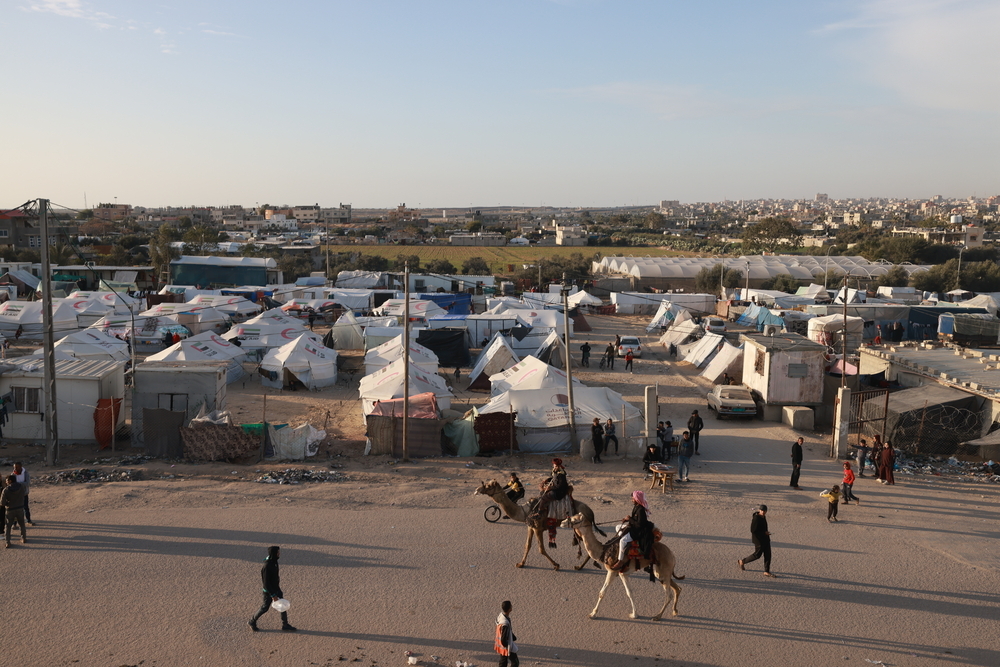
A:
(203, 347)
(266, 334)
(23, 319)
(93, 345)
(196, 318)
(666, 315)
(302, 359)
(542, 418)
(379, 357)
(495, 358)
(236, 308)
(728, 359)
(388, 383)
(529, 373)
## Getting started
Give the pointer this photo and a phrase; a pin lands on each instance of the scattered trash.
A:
(874, 662)
(411, 660)
(87, 475)
(298, 476)
(938, 466)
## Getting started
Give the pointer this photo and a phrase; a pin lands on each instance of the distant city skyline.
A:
(451, 105)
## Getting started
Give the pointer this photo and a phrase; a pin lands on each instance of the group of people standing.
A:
(602, 435)
(14, 508)
(880, 457)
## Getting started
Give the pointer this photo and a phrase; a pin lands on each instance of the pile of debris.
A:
(89, 475)
(120, 461)
(298, 476)
(918, 464)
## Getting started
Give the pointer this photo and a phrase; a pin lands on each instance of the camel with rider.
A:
(662, 568)
(537, 525)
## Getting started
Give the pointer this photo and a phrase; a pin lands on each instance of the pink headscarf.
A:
(640, 497)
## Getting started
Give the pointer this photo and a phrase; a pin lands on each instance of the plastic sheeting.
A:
(388, 383)
(729, 358)
(679, 333)
(455, 304)
(451, 346)
(495, 358)
(461, 433)
(666, 315)
(703, 350)
(294, 444)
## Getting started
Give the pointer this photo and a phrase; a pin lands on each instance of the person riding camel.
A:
(555, 490)
(637, 528)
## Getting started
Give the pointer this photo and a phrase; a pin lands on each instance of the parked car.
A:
(731, 400)
(630, 343)
(714, 325)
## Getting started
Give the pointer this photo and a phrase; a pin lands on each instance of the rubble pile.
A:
(88, 475)
(917, 464)
(120, 461)
(299, 476)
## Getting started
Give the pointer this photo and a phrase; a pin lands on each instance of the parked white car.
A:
(714, 325)
(731, 400)
(630, 343)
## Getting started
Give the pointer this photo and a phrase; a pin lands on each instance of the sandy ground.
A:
(399, 557)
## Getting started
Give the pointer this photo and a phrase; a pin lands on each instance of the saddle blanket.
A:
(561, 509)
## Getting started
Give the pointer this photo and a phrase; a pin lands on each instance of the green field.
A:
(500, 258)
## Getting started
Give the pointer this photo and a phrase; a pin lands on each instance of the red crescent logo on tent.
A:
(219, 341)
(284, 334)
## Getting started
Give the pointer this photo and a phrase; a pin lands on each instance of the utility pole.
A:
(843, 371)
(573, 439)
(48, 342)
(406, 362)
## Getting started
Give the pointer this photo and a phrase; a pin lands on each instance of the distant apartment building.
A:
(822, 197)
(571, 235)
(484, 239)
(967, 236)
(19, 231)
(112, 212)
(222, 215)
(338, 216)
(307, 213)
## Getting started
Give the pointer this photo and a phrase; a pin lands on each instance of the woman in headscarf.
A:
(887, 461)
(597, 435)
(638, 528)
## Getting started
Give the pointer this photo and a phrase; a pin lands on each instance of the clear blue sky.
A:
(475, 102)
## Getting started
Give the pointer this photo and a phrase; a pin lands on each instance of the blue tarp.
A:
(310, 281)
(455, 304)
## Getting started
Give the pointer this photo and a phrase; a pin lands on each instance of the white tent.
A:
(147, 329)
(702, 351)
(302, 359)
(729, 358)
(388, 383)
(540, 300)
(93, 345)
(196, 318)
(529, 373)
(346, 333)
(27, 316)
(495, 358)
(543, 416)
(206, 346)
(277, 315)
(582, 298)
(828, 330)
(419, 308)
(987, 301)
(679, 333)
(379, 357)
(353, 299)
(235, 308)
(297, 307)
(666, 315)
(267, 334)
(375, 336)
(89, 311)
(118, 302)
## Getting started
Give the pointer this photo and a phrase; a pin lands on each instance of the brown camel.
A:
(663, 569)
(536, 528)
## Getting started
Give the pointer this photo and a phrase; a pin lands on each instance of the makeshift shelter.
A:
(267, 334)
(970, 330)
(455, 304)
(728, 359)
(387, 383)
(680, 333)
(529, 373)
(359, 300)
(932, 419)
(495, 358)
(22, 320)
(829, 331)
(542, 416)
(553, 351)
(362, 279)
(300, 360)
(450, 345)
(236, 308)
(198, 319)
(785, 369)
(92, 345)
(89, 395)
(419, 308)
(345, 334)
(379, 357)
(666, 315)
(385, 427)
(206, 347)
(987, 301)
(699, 353)
(486, 325)
(167, 395)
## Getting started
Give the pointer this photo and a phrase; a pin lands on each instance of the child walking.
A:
(833, 495)
(504, 641)
(848, 484)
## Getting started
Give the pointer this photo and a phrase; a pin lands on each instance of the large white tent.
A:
(379, 357)
(543, 416)
(118, 302)
(666, 315)
(267, 334)
(388, 383)
(729, 358)
(26, 316)
(582, 298)
(92, 344)
(346, 333)
(529, 373)
(206, 346)
(699, 353)
(277, 315)
(419, 308)
(486, 325)
(236, 308)
(147, 329)
(353, 299)
(302, 359)
(196, 318)
(495, 358)
(89, 311)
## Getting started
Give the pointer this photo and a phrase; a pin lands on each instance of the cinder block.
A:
(798, 417)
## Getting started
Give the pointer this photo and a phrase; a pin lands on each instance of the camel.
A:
(666, 562)
(536, 529)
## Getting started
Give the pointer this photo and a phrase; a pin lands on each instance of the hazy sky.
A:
(477, 102)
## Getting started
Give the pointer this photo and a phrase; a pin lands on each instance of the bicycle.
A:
(493, 513)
